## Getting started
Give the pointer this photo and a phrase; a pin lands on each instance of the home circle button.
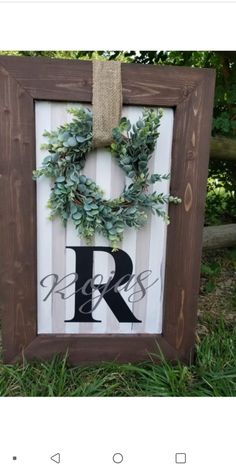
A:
(118, 458)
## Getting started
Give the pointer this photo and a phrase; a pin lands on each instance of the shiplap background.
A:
(146, 247)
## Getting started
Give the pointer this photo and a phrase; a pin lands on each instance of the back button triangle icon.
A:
(56, 458)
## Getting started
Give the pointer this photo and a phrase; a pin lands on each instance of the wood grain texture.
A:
(190, 92)
(46, 79)
(99, 347)
(190, 157)
(17, 210)
(71, 80)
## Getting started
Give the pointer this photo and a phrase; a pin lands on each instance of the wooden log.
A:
(215, 237)
(223, 148)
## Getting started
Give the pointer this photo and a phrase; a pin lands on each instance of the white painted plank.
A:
(101, 259)
(72, 239)
(44, 225)
(117, 177)
(130, 234)
(145, 247)
(162, 163)
(58, 116)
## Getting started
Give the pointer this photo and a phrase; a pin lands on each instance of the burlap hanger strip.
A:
(107, 100)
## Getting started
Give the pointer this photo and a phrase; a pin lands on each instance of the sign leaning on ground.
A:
(96, 160)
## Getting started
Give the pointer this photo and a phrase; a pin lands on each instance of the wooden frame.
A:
(190, 92)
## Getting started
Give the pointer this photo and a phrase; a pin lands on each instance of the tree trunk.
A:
(223, 148)
(215, 237)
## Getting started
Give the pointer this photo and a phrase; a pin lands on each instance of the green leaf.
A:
(119, 230)
(72, 142)
(74, 209)
(139, 124)
(132, 210)
(77, 216)
(108, 225)
(131, 174)
(47, 159)
(112, 231)
(81, 139)
(126, 160)
(74, 177)
(82, 179)
(82, 188)
(61, 178)
(112, 238)
(65, 136)
(128, 168)
(142, 165)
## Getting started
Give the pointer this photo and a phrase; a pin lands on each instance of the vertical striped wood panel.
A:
(44, 226)
(146, 247)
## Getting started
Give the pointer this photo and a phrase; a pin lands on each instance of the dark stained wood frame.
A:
(190, 92)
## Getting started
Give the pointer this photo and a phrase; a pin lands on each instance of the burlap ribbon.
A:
(107, 100)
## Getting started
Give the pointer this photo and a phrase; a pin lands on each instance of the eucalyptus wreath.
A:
(77, 197)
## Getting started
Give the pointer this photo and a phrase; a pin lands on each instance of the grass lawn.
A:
(212, 374)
